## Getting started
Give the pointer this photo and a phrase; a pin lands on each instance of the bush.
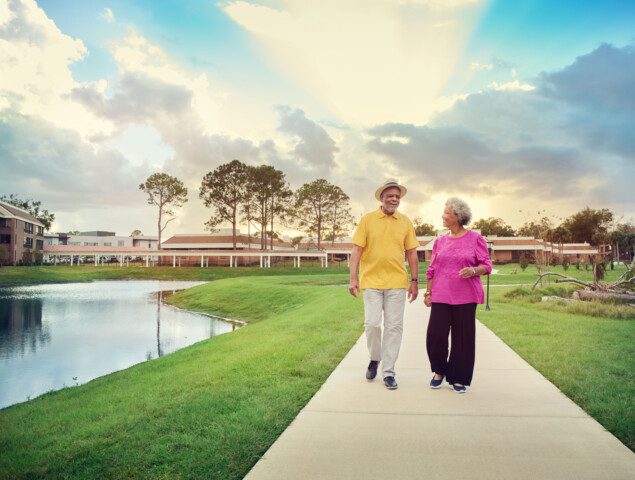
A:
(577, 264)
(565, 263)
(524, 261)
(27, 258)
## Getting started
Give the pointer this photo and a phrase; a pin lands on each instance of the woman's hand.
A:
(468, 272)
(427, 299)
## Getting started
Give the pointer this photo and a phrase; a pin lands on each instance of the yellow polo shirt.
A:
(384, 239)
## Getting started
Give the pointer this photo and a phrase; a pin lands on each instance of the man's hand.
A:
(413, 292)
(353, 287)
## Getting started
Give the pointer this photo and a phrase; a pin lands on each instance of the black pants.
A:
(460, 320)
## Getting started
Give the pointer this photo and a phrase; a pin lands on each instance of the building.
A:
(220, 241)
(21, 235)
(101, 238)
(510, 249)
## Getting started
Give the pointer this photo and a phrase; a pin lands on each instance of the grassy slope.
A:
(591, 359)
(207, 411)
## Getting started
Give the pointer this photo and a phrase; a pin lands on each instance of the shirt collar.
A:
(381, 214)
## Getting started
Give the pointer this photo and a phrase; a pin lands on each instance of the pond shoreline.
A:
(58, 335)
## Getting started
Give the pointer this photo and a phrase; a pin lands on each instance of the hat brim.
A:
(381, 189)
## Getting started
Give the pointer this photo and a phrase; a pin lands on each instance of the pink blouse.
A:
(449, 255)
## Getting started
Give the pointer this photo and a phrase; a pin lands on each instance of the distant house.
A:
(21, 235)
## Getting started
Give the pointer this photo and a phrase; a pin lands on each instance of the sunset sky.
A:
(516, 106)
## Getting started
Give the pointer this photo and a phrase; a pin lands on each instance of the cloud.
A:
(367, 65)
(513, 85)
(314, 147)
(598, 91)
(60, 168)
(35, 78)
(481, 66)
(603, 78)
(107, 15)
(452, 159)
(566, 137)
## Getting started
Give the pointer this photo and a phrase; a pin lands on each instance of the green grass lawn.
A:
(208, 411)
(587, 351)
(83, 273)
(212, 409)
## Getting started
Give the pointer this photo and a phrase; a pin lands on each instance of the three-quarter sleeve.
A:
(359, 237)
(482, 254)
(430, 270)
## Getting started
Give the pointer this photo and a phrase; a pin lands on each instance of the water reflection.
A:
(21, 327)
(53, 336)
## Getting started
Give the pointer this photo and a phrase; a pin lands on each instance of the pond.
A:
(58, 335)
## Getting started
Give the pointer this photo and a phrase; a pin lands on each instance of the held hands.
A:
(353, 287)
(468, 272)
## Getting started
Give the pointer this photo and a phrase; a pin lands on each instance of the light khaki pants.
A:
(391, 303)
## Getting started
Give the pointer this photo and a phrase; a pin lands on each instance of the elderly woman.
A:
(454, 288)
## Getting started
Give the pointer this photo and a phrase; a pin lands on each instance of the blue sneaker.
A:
(390, 383)
(459, 388)
(436, 383)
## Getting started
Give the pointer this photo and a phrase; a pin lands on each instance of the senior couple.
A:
(454, 287)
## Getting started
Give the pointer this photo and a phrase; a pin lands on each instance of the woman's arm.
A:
(427, 297)
(484, 264)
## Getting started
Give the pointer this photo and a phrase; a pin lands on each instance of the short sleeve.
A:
(482, 254)
(359, 237)
(430, 270)
(411, 241)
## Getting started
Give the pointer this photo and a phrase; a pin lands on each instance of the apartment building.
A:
(21, 235)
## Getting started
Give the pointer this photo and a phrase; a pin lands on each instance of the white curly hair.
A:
(461, 209)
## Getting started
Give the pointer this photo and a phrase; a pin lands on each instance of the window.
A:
(5, 239)
(74, 243)
(40, 230)
(4, 222)
(39, 244)
(28, 242)
(107, 244)
(91, 244)
(28, 227)
(120, 243)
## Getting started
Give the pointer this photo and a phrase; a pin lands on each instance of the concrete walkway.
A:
(512, 424)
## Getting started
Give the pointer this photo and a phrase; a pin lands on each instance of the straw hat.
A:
(391, 182)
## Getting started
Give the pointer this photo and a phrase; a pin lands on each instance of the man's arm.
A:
(413, 262)
(353, 284)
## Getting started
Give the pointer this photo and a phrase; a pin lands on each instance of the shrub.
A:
(27, 258)
(565, 263)
(524, 261)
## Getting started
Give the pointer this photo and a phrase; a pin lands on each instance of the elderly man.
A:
(380, 240)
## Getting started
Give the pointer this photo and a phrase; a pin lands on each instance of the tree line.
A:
(595, 227)
(258, 196)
